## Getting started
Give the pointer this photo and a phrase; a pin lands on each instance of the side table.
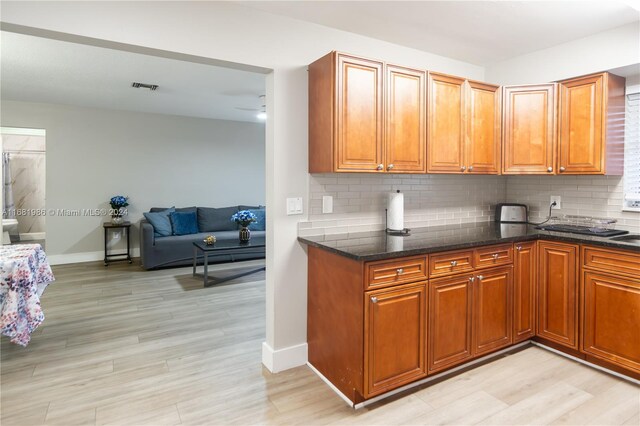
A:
(117, 257)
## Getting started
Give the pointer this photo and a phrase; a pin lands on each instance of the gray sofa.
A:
(177, 250)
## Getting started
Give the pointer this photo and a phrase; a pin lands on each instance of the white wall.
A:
(156, 160)
(600, 52)
(233, 33)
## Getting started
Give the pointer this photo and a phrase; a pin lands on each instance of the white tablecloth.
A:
(24, 274)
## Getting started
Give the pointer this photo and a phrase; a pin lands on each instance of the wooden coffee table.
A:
(255, 245)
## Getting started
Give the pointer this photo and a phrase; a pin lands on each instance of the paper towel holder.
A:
(403, 232)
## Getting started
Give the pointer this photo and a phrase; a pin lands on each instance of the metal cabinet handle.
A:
(454, 263)
(562, 169)
(480, 277)
(390, 166)
(549, 169)
(400, 271)
(380, 167)
(374, 300)
(472, 279)
(518, 248)
(470, 168)
(495, 255)
(463, 168)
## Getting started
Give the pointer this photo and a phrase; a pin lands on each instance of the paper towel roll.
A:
(395, 243)
(395, 211)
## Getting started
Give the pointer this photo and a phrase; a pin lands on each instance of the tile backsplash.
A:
(599, 196)
(359, 200)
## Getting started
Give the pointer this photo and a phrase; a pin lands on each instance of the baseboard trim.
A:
(585, 362)
(331, 385)
(31, 236)
(285, 358)
(92, 256)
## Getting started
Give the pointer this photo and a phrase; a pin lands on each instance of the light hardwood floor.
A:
(125, 346)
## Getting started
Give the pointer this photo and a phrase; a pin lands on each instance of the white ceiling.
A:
(35, 69)
(479, 32)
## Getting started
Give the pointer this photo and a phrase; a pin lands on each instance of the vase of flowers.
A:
(244, 218)
(118, 205)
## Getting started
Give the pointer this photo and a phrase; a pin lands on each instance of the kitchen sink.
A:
(631, 238)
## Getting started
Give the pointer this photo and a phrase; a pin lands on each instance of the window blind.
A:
(632, 152)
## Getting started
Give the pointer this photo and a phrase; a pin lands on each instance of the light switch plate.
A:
(327, 204)
(294, 205)
(558, 200)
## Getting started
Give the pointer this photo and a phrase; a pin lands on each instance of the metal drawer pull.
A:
(480, 277)
(562, 169)
(454, 263)
(472, 279)
(390, 166)
(400, 271)
(470, 168)
(549, 169)
(380, 167)
(374, 300)
(518, 248)
(463, 168)
(495, 256)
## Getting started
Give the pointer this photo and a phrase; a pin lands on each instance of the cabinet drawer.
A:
(397, 271)
(451, 262)
(615, 261)
(487, 257)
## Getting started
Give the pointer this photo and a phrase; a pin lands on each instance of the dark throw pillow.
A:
(212, 219)
(261, 222)
(184, 223)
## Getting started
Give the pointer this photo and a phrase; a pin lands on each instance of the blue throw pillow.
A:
(261, 224)
(184, 223)
(160, 222)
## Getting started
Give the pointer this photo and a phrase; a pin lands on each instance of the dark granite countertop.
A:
(377, 245)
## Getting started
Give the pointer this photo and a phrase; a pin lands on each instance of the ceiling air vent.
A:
(151, 87)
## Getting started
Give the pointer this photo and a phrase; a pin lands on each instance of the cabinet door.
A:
(529, 134)
(445, 130)
(492, 310)
(525, 276)
(358, 115)
(450, 304)
(581, 124)
(557, 291)
(611, 320)
(483, 128)
(405, 130)
(395, 337)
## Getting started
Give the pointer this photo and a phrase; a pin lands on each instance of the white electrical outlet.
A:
(558, 200)
(327, 204)
(294, 206)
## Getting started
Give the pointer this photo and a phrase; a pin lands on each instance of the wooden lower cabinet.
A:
(611, 318)
(524, 291)
(395, 337)
(492, 310)
(449, 334)
(557, 293)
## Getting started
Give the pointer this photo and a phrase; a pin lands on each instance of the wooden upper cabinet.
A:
(492, 313)
(483, 128)
(450, 321)
(592, 125)
(529, 129)
(359, 114)
(445, 126)
(365, 116)
(558, 293)
(405, 139)
(524, 291)
(395, 337)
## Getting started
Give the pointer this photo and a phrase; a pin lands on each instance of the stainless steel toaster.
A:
(511, 213)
